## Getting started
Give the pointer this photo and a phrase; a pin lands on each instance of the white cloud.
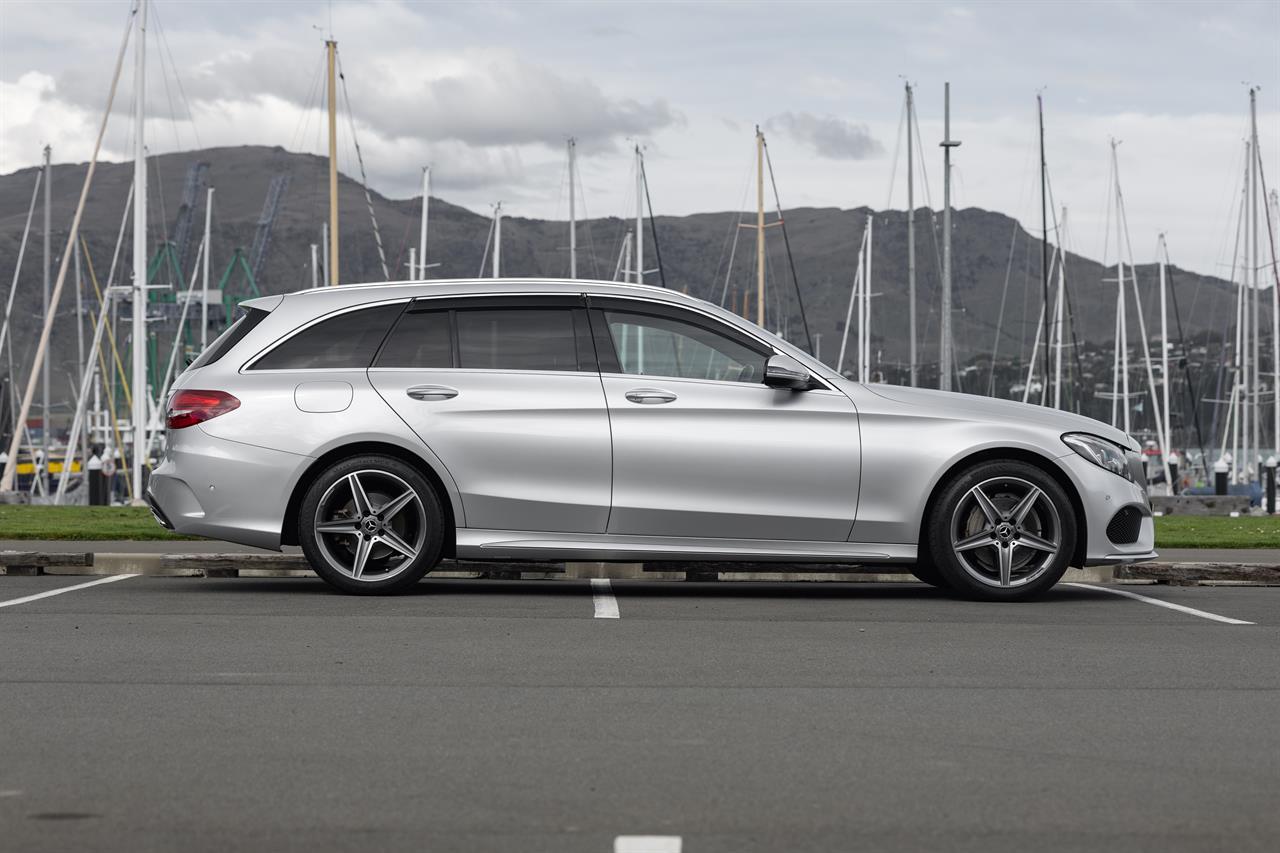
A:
(828, 136)
(487, 93)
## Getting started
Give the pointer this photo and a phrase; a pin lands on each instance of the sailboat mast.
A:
(140, 393)
(639, 240)
(911, 232)
(759, 227)
(1122, 322)
(573, 211)
(1059, 323)
(1044, 225)
(208, 250)
(421, 271)
(1275, 323)
(324, 241)
(43, 469)
(865, 340)
(331, 52)
(1256, 263)
(1164, 351)
(497, 241)
(944, 357)
(1246, 372)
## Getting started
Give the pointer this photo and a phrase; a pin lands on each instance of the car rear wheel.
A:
(1002, 531)
(371, 525)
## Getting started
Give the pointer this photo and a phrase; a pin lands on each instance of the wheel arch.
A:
(1001, 454)
(289, 528)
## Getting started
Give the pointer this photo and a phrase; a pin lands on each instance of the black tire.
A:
(400, 535)
(926, 572)
(983, 550)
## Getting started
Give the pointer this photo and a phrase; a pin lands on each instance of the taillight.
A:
(188, 408)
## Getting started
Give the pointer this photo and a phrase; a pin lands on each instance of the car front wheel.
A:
(1002, 531)
(371, 525)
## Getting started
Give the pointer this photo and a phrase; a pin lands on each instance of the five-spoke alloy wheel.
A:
(1002, 531)
(371, 524)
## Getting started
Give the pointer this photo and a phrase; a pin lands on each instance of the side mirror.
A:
(783, 371)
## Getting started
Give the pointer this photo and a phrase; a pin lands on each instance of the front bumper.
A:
(223, 489)
(1122, 559)
(1102, 495)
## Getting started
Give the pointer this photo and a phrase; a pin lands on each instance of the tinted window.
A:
(232, 336)
(517, 339)
(661, 346)
(345, 341)
(420, 339)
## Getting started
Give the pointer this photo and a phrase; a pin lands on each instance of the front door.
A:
(504, 390)
(702, 448)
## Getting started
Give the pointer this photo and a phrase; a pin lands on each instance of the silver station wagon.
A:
(383, 427)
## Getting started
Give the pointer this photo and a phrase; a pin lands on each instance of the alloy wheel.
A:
(1006, 532)
(370, 525)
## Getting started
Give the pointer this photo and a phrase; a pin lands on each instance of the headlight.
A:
(1100, 452)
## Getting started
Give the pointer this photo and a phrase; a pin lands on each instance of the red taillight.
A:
(188, 408)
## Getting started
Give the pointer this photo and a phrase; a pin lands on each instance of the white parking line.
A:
(606, 608)
(61, 590)
(647, 843)
(1203, 614)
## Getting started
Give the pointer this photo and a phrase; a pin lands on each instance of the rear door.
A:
(505, 391)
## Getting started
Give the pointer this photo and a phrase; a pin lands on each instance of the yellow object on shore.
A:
(27, 468)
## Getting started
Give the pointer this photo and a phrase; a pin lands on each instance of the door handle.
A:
(432, 392)
(650, 396)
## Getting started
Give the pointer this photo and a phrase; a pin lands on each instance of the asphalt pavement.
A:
(152, 713)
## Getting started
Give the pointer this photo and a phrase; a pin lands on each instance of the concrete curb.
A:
(295, 565)
(1190, 574)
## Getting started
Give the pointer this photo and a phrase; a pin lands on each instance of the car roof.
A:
(490, 285)
(324, 299)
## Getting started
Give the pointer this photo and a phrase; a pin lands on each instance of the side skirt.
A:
(475, 544)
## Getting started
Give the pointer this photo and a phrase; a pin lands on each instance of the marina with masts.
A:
(157, 308)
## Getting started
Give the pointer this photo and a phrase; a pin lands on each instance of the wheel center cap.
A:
(1004, 532)
(370, 524)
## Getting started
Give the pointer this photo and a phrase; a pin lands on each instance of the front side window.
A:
(662, 346)
(517, 339)
(339, 343)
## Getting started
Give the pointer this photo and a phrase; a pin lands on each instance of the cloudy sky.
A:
(488, 92)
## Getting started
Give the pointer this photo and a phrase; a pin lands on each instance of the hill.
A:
(996, 262)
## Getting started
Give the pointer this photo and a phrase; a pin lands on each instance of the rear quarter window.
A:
(346, 341)
(233, 335)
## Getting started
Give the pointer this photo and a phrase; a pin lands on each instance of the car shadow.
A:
(637, 589)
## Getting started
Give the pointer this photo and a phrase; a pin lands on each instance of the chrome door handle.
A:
(432, 392)
(650, 396)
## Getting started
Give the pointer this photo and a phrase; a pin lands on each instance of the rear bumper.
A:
(156, 512)
(223, 489)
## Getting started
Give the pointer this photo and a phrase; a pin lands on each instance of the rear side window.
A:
(517, 339)
(346, 341)
(233, 335)
(421, 339)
